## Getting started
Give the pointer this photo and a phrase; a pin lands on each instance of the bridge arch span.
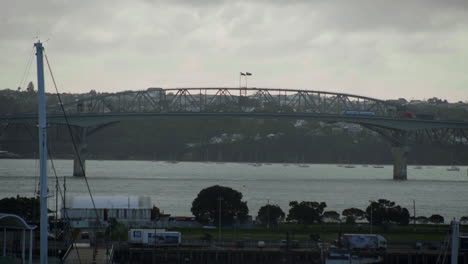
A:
(156, 100)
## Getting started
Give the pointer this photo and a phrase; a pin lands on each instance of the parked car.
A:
(261, 244)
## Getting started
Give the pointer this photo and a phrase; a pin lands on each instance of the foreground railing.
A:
(110, 255)
(69, 249)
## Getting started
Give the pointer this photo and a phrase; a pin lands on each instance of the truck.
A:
(364, 242)
(159, 237)
(358, 113)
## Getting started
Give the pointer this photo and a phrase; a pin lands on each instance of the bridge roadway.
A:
(94, 119)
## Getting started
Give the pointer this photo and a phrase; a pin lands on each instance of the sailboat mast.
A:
(42, 127)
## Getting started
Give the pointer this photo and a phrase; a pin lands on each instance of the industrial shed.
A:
(131, 210)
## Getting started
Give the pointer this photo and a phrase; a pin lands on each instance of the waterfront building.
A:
(131, 210)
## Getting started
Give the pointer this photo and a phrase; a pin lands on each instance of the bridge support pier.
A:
(400, 155)
(81, 151)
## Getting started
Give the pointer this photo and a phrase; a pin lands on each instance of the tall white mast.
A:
(42, 126)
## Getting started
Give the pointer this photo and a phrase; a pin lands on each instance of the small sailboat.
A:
(302, 164)
(349, 165)
(453, 168)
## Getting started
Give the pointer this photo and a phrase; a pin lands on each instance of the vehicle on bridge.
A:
(358, 113)
(405, 115)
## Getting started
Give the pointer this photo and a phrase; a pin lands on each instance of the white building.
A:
(131, 210)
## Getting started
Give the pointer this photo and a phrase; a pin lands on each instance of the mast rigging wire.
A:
(59, 189)
(27, 69)
(72, 138)
(98, 221)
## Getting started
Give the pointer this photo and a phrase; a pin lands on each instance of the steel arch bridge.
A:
(241, 100)
(92, 111)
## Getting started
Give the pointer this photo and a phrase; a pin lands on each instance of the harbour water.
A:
(173, 186)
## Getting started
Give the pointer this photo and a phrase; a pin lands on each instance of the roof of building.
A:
(14, 221)
(110, 202)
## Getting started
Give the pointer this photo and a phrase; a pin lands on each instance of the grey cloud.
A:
(177, 42)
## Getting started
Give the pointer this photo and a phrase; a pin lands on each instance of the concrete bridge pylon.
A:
(80, 150)
(400, 155)
(400, 150)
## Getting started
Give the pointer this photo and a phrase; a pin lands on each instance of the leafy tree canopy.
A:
(306, 212)
(30, 87)
(155, 213)
(354, 213)
(331, 216)
(116, 230)
(206, 205)
(436, 219)
(464, 219)
(384, 212)
(26, 207)
(270, 214)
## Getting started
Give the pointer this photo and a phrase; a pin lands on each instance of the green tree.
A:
(331, 216)
(399, 215)
(270, 214)
(436, 219)
(30, 87)
(306, 212)
(25, 207)
(464, 219)
(116, 230)
(384, 212)
(155, 213)
(353, 214)
(206, 205)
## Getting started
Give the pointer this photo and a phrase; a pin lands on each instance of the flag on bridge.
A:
(242, 74)
(248, 73)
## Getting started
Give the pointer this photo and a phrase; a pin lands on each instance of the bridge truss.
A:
(216, 100)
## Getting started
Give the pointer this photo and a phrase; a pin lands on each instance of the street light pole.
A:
(371, 209)
(268, 214)
(219, 220)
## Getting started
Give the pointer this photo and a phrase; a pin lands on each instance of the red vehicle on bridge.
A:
(405, 115)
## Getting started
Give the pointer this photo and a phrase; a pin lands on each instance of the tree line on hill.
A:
(229, 140)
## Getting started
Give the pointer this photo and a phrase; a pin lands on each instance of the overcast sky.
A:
(379, 48)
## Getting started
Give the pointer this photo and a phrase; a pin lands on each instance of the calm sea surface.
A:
(172, 187)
